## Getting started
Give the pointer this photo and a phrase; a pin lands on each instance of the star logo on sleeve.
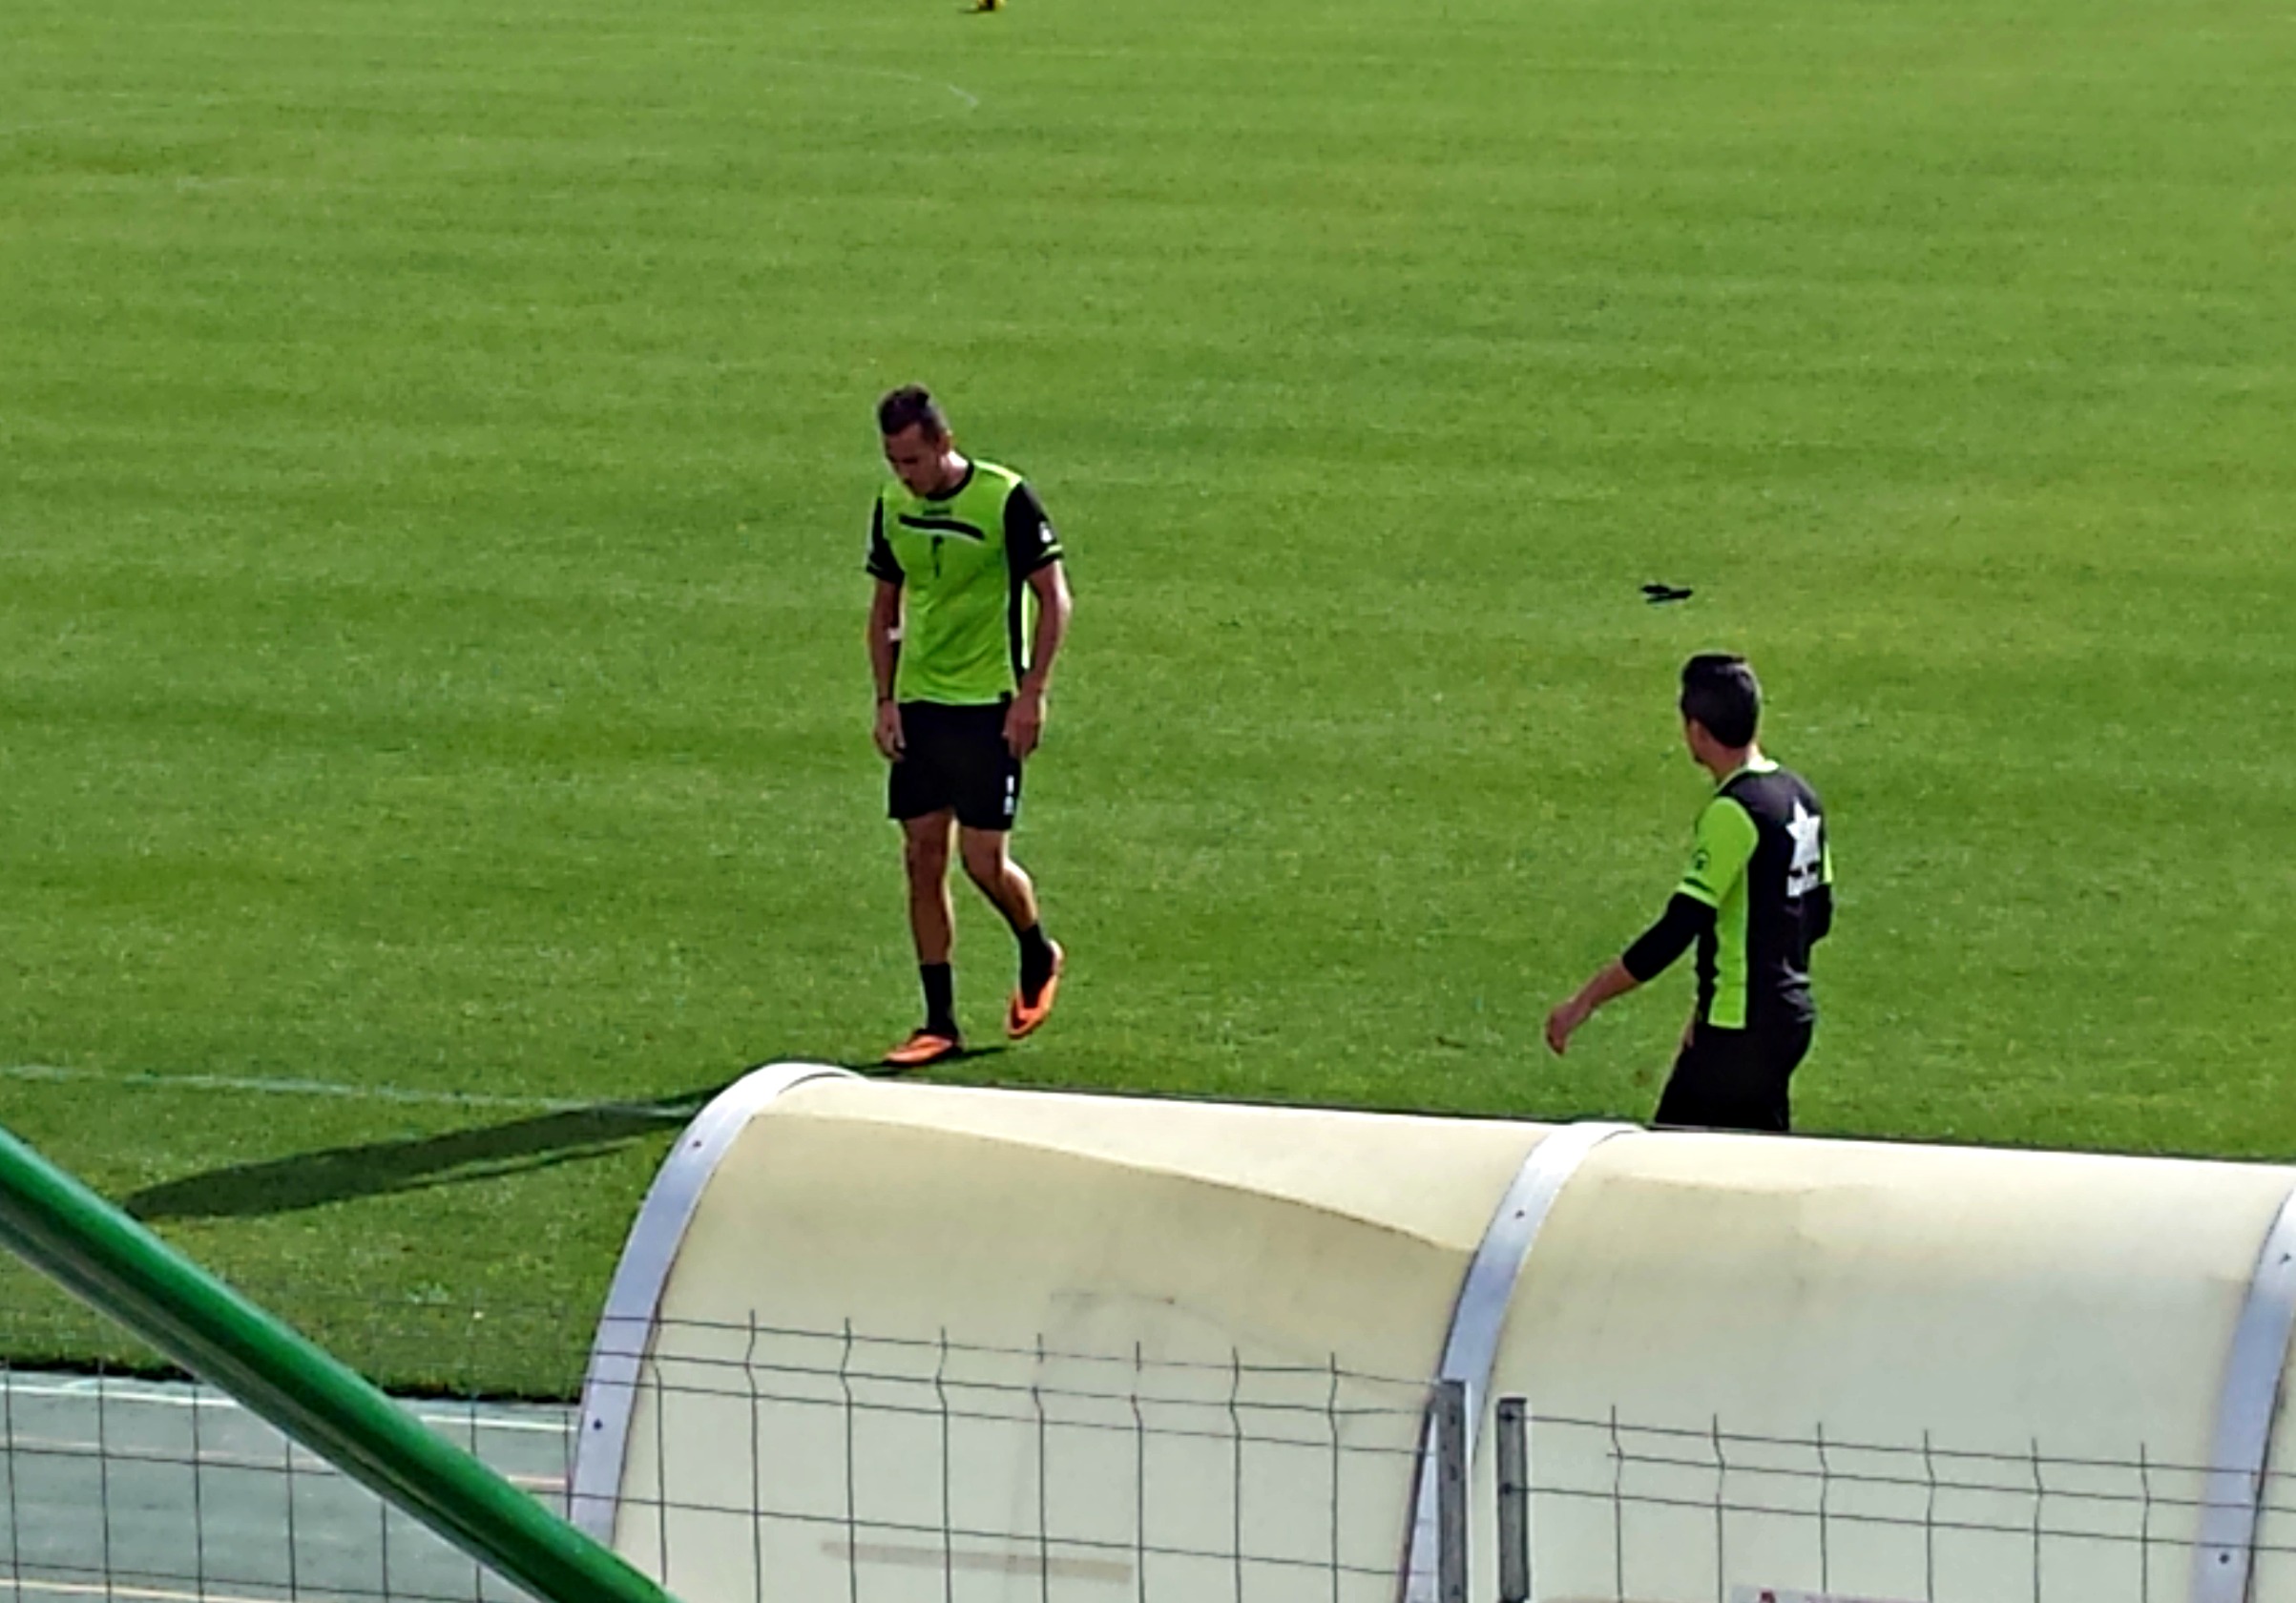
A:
(1809, 832)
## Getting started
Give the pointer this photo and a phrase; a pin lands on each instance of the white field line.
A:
(100, 120)
(302, 1461)
(141, 1594)
(972, 101)
(261, 1086)
(124, 1393)
(103, 119)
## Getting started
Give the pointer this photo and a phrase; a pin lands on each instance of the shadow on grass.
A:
(876, 1069)
(380, 1168)
(313, 1179)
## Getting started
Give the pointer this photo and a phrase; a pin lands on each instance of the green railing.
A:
(105, 1258)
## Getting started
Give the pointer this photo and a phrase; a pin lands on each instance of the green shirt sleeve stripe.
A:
(1727, 838)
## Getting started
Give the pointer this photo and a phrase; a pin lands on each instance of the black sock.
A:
(940, 997)
(1035, 958)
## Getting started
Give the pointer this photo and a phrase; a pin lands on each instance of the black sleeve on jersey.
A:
(881, 563)
(1685, 919)
(1817, 914)
(1029, 543)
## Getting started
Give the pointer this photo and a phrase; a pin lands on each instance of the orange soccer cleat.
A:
(924, 1048)
(1025, 1015)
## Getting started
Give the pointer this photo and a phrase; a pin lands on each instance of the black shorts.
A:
(1735, 1079)
(955, 757)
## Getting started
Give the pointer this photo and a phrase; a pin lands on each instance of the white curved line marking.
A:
(972, 101)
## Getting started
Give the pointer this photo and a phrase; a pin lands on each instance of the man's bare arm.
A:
(1677, 931)
(1024, 723)
(1611, 982)
(884, 659)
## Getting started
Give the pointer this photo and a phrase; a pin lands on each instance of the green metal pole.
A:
(74, 1236)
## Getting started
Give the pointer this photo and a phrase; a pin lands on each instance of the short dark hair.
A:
(905, 409)
(1721, 692)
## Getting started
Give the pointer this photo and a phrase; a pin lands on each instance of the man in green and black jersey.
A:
(1759, 895)
(962, 554)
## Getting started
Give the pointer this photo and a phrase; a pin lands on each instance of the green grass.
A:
(436, 446)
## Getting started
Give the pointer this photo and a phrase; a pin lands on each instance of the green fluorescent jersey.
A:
(1764, 865)
(962, 562)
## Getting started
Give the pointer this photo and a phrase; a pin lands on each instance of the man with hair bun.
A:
(1758, 897)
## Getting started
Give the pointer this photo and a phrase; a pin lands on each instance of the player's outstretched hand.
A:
(1560, 1023)
(1024, 723)
(888, 732)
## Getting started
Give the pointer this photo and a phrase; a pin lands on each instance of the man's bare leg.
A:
(989, 864)
(933, 927)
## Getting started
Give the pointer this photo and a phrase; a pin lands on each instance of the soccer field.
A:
(436, 448)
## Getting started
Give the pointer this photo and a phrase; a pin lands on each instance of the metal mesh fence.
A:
(1615, 1509)
(122, 1478)
(124, 1486)
(765, 1462)
(770, 1463)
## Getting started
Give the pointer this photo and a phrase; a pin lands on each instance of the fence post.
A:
(1514, 1501)
(1451, 1491)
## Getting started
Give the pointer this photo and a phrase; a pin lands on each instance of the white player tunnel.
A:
(889, 1342)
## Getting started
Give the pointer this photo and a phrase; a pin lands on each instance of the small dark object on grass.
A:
(1657, 595)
